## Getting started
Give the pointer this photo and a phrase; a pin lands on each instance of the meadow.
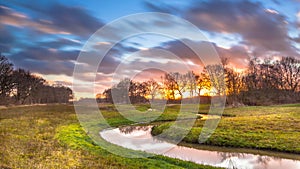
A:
(50, 136)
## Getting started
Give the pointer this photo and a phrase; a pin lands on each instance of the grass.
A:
(51, 137)
(275, 128)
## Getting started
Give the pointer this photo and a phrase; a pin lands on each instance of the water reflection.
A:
(130, 129)
(214, 158)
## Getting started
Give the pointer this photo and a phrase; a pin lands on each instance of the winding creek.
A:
(140, 138)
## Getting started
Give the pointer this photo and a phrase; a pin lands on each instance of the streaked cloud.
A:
(11, 17)
(264, 30)
(61, 19)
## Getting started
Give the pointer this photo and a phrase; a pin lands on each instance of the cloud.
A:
(182, 51)
(114, 57)
(59, 43)
(161, 7)
(58, 19)
(58, 54)
(50, 57)
(44, 54)
(46, 67)
(108, 64)
(298, 20)
(45, 61)
(6, 40)
(11, 17)
(73, 19)
(262, 30)
(237, 55)
(296, 39)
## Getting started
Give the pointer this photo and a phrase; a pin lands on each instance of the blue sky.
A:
(46, 37)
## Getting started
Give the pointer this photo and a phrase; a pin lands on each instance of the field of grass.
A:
(263, 127)
(51, 137)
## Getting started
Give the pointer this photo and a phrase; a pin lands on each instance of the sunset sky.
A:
(46, 37)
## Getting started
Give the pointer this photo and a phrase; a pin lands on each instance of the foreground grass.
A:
(50, 137)
(270, 128)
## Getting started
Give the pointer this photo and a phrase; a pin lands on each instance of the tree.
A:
(252, 76)
(137, 92)
(36, 83)
(234, 85)
(108, 96)
(142, 92)
(120, 92)
(270, 81)
(191, 83)
(22, 85)
(26, 86)
(170, 86)
(203, 82)
(175, 82)
(217, 78)
(288, 73)
(62, 94)
(6, 81)
(152, 88)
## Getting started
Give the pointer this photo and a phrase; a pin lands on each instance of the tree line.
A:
(263, 82)
(21, 87)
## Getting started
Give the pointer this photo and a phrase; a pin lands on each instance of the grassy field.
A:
(264, 127)
(51, 137)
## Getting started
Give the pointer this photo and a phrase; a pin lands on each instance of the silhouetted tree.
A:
(170, 86)
(21, 87)
(288, 76)
(217, 78)
(203, 82)
(108, 95)
(191, 84)
(234, 85)
(6, 81)
(152, 88)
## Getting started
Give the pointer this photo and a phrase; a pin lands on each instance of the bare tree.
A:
(234, 85)
(203, 82)
(175, 82)
(181, 82)
(152, 88)
(6, 81)
(217, 78)
(191, 84)
(170, 86)
(288, 73)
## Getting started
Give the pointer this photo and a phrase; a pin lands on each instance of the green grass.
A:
(51, 137)
(263, 127)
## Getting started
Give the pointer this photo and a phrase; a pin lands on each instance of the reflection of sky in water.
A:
(140, 138)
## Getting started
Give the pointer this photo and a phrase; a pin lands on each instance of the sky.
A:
(47, 37)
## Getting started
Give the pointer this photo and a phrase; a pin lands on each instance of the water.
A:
(140, 138)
